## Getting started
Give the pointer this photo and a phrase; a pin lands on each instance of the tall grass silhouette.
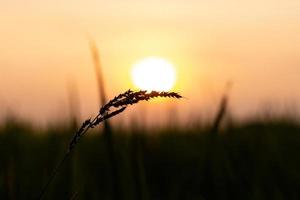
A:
(112, 108)
(108, 135)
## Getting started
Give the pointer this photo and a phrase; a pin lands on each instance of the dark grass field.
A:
(256, 160)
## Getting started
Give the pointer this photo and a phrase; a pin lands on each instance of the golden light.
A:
(154, 73)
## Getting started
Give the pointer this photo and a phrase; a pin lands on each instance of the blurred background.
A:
(234, 135)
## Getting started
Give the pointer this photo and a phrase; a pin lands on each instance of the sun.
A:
(153, 73)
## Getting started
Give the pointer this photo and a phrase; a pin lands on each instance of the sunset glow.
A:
(45, 44)
(154, 74)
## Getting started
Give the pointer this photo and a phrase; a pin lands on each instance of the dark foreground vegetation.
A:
(258, 160)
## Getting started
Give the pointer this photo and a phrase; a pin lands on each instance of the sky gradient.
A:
(44, 52)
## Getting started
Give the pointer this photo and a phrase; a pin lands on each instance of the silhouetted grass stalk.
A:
(108, 136)
(114, 107)
(212, 142)
(222, 109)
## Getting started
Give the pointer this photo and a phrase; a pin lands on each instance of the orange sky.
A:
(44, 49)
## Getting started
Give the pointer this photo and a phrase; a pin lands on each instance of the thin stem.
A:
(56, 169)
(98, 119)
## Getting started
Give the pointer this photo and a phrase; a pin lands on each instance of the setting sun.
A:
(154, 73)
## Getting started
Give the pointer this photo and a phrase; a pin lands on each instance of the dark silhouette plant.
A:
(114, 107)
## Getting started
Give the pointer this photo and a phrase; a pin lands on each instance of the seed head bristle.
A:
(119, 103)
(129, 98)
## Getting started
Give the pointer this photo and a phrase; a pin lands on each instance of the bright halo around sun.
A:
(154, 73)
